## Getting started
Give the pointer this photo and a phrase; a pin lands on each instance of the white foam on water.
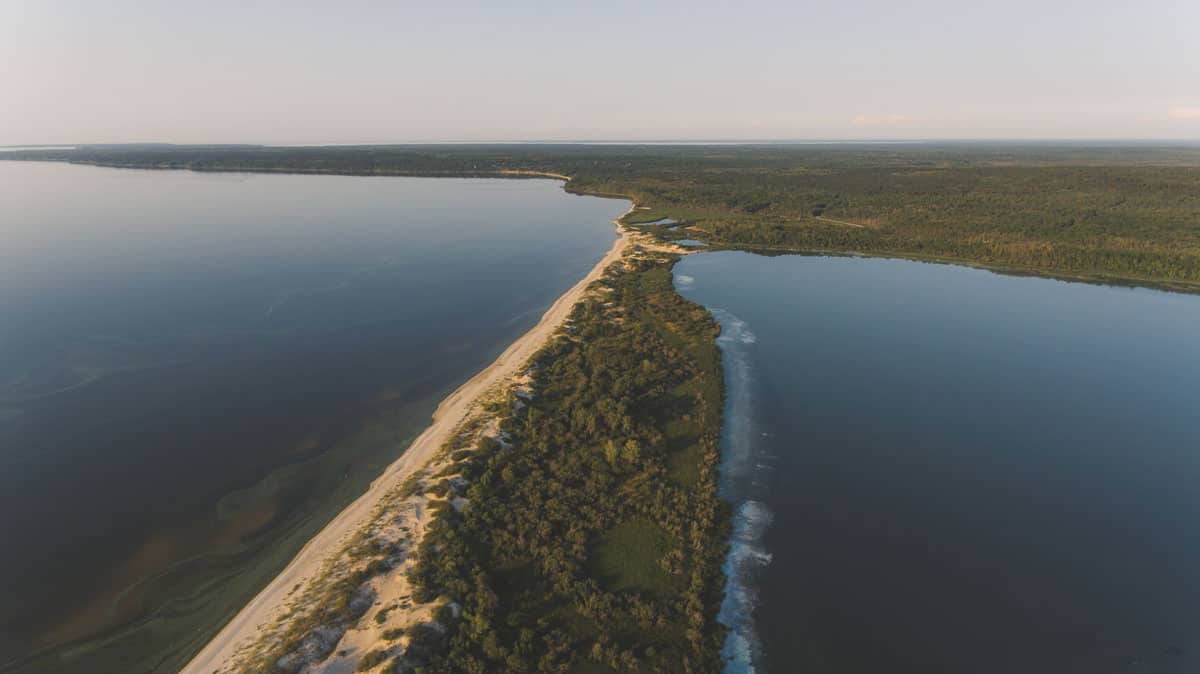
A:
(733, 329)
(745, 465)
(742, 652)
(684, 282)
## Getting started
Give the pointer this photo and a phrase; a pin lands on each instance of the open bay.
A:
(197, 370)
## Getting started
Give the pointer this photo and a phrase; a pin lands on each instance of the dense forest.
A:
(1121, 210)
(593, 536)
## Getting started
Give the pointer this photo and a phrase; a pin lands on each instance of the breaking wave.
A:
(745, 466)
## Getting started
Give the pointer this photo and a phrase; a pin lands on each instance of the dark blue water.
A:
(197, 370)
(943, 470)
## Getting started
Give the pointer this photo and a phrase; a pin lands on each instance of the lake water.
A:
(939, 469)
(198, 370)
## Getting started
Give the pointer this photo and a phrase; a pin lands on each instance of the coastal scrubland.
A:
(570, 523)
(594, 535)
(1116, 211)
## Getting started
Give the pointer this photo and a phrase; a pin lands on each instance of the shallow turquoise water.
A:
(197, 370)
(944, 470)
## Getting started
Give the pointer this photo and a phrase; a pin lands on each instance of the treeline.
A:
(603, 161)
(593, 537)
(1139, 222)
(1120, 210)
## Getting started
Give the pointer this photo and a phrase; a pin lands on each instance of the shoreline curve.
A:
(267, 605)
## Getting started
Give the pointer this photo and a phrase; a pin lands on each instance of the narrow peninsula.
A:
(560, 514)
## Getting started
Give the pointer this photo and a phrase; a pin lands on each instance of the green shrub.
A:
(371, 660)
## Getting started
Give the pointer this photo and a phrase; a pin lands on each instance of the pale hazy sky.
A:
(76, 71)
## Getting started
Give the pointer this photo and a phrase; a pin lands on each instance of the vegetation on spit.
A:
(593, 536)
(574, 522)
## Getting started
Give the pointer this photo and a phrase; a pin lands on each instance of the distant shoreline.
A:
(570, 185)
(1093, 278)
(499, 173)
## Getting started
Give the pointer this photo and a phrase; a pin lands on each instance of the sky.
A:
(365, 71)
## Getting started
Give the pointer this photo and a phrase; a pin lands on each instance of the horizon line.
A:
(619, 141)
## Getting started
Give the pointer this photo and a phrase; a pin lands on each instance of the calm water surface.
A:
(198, 370)
(944, 470)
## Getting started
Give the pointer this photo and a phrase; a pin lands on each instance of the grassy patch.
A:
(683, 465)
(627, 558)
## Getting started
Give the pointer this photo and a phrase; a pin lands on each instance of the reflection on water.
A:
(196, 370)
(963, 471)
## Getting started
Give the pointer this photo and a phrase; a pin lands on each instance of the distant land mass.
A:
(1117, 210)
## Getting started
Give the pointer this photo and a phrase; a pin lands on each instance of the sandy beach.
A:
(272, 600)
